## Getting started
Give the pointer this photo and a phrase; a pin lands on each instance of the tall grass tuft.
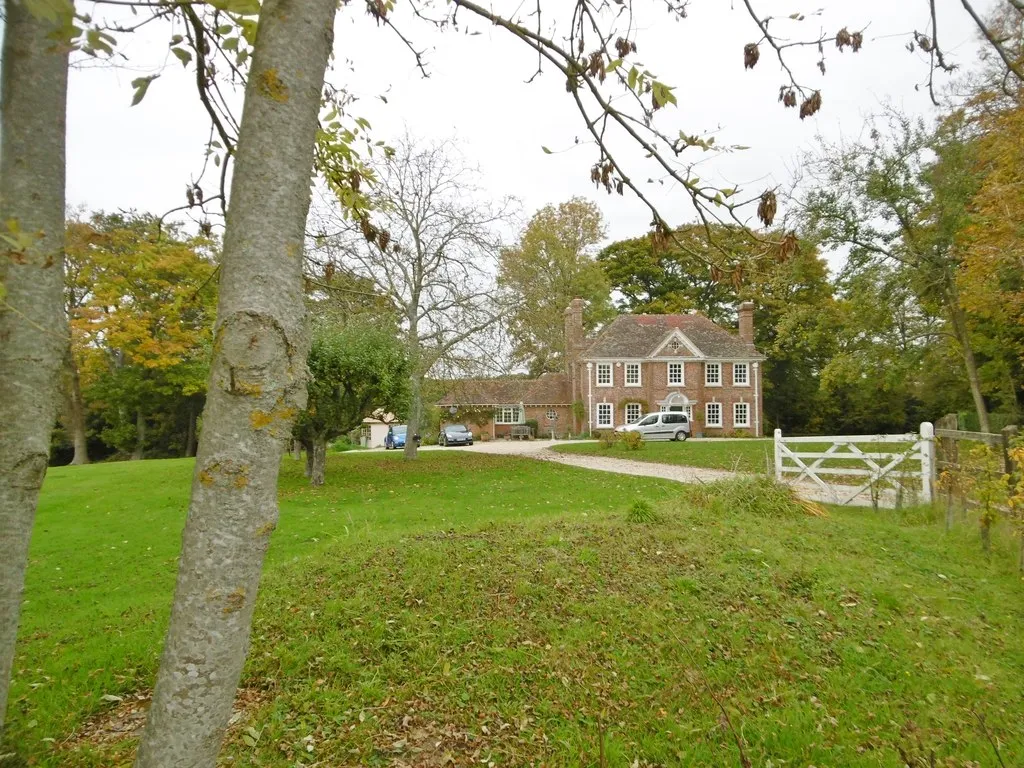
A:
(761, 496)
(641, 512)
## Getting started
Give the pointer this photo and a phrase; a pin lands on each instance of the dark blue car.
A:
(395, 438)
(455, 434)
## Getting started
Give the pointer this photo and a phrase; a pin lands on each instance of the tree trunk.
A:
(308, 471)
(415, 415)
(296, 450)
(190, 436)
(76, 412)
(257, 386)
(140, 436)
(963, 337)
(316, 475)
(413, 423)
(33, 326)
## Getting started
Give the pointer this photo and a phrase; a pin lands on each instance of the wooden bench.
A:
(521, 432)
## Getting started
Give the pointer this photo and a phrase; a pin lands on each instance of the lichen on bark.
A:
(33, 328)
(257, 385)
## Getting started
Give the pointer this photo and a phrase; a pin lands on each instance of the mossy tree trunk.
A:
(140, 436)
(75, 412)
(317, 469)
(33, 325)
(256, 388)
(190, 436)
(962, 334)
(415, 421)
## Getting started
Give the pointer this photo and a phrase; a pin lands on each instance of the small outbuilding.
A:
(374, 429)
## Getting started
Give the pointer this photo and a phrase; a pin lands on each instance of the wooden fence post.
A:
(778, 455)
(928, 462)
(1009, 435)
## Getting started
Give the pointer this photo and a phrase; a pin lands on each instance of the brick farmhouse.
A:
(635, 365)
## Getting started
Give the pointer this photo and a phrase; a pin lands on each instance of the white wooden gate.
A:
(876, 468)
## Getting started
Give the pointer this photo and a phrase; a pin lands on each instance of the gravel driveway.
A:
(640, 468)
(541, 449)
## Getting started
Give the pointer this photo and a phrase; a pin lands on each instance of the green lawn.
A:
(472, 609)
(741, 455)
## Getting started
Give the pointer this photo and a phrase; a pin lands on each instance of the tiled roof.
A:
(549, 389)
(637, 336)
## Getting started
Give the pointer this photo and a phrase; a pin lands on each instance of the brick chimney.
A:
(573, 328)
(574, 345)
(746, 313)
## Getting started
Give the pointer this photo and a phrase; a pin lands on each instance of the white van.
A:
(665, 425)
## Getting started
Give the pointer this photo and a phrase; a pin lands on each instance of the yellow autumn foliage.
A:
(138, 296)
(991, 277)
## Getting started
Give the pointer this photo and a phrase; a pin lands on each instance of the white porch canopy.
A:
(676, 400)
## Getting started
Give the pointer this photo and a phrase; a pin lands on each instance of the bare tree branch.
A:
(1011, 65)
(430, 246)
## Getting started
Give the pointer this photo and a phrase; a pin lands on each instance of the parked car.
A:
(396, 437)
(665, 425)
(455, 434)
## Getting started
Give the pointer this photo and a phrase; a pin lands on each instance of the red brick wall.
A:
(562, 424)
(654, 388)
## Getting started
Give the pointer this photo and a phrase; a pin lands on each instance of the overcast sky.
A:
(142, 157)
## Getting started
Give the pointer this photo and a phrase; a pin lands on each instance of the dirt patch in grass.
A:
(416, 742)
(126, 718)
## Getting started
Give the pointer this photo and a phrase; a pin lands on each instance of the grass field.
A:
(740, 455)
(474, 609)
